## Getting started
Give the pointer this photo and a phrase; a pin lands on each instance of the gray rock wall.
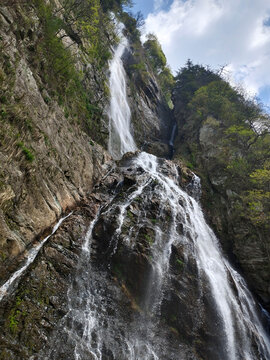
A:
(48, 161)
(151, 117)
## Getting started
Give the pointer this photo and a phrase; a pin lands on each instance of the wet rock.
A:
(158, 149)
(34, 310)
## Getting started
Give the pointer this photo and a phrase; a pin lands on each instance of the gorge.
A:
(133, 271)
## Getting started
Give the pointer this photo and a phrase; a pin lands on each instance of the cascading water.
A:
(171, 141)
(120, 139)
(236, 308)
(103, 322)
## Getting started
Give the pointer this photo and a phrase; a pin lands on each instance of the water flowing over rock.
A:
(152, 282)
(30, 257)
(135, 272)
(205, 144)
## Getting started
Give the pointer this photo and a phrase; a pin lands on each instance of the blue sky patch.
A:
(214, 32)
(264, 95)
(266, 22)
(144, 6)
(147, 7)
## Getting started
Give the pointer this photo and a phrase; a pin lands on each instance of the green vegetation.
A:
(167, 82)
(190, 78)
(158, 61)
(179, 262)
(3, 255)
(147, 58)
(148, 239)
(130, 215)
(155, 54)
(71, 35)
(14, 320)
(27, 152)
(84, 27)
(131, 27)
(258, 198)
(242, 138)
(114, 5)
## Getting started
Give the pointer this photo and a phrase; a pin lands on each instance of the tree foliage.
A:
(115, 5)
(158, 61)
(167, 82)
(192, 77)
(131, 26)
(242, 135)
(155, 54)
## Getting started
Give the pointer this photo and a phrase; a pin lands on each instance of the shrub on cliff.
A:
(154, 52)
(240, 153)
(158, 62)
(73, 34)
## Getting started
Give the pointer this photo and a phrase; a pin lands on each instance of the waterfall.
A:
(171, 141)
(238, 312)
(120, 139)
(99, 324)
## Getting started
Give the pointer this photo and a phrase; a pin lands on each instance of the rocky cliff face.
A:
(48, 161)
(201, 143)
(31, 315)
(128, 286)
(38, 314)
(50, 133)
(151, 117)
(40, 301)
(53, 140)
(53, 135)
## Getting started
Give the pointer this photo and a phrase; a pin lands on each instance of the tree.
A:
(242, 137)
(166, 81)
(258, 198)
(154, 53)
(117, 5)
(139, 19)
(190, 78)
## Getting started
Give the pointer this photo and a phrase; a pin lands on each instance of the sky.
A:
(230, 33)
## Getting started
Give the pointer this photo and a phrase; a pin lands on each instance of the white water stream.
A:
(120, 139)
(238, 313)
(7, 287)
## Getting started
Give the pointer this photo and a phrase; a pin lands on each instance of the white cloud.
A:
(215, 33)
